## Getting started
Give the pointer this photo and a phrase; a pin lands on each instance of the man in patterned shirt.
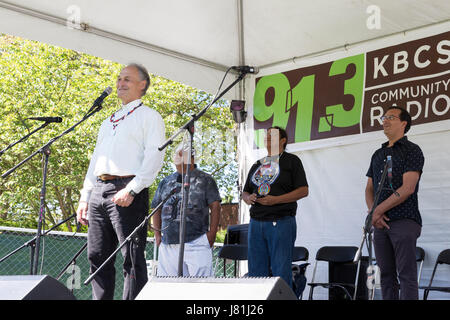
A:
(396, 218)
(202, 220)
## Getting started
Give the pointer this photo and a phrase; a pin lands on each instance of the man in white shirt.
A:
(114, 199)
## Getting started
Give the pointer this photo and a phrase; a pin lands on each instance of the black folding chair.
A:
(300, 254)
(299, 270)
(336, 255)
(443, 258)
(235, 246)
(237, 234)
(236, 252)
(420, 257)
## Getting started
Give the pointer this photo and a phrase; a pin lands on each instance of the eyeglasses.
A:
(390, 118)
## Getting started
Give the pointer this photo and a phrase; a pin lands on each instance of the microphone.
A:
(47, 119)
(246, 69)
(99, 100)
(389, 169)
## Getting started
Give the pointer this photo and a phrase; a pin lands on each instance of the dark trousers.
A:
(109, 225)
(395, 251)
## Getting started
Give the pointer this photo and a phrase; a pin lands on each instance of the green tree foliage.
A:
(42, 80)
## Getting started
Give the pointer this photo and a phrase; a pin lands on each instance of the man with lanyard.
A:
(202, 220)
(114, 199)
(273, 186)
(396, 218)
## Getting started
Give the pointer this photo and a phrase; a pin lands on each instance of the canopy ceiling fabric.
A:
(195, 41)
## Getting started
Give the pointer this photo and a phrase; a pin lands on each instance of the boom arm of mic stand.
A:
(128, 239)
(24, 137)
(72, 261)
(197, 116)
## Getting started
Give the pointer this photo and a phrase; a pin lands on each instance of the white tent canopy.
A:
(196, 41)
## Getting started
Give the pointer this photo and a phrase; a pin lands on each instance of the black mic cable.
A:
(389, 174)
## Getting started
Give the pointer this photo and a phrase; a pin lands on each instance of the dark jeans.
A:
(110, 224)
(270, 246)
(395, 251)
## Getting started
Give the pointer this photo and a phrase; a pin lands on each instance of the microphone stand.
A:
(31, 243)
(368, 235)
(185, 195)
(129, 240)
(24, 137)
(45, 150)
(189, 126)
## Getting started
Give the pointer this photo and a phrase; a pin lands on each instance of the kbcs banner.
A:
(348, 96)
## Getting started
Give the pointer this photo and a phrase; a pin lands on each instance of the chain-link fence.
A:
(58, 249)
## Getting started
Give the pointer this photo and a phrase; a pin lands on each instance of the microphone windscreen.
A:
(108, 90)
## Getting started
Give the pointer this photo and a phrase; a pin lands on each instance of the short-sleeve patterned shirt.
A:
(202, 192)
(406, 156)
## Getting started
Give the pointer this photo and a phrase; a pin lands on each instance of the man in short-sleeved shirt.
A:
(288, 176)
(202, 219)
(406, 156)
(274, 185)
(396, 218)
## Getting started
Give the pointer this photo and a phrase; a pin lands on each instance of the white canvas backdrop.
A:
(334, 211)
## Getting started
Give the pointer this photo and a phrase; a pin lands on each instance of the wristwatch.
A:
(132, 193)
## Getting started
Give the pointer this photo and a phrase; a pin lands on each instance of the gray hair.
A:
(143, 74)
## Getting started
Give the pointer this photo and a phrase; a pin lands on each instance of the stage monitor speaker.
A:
(39, 287)
(209, 288)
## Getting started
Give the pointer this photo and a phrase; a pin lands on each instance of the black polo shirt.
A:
(406, 156)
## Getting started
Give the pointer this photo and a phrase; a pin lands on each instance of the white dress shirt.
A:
(129, 149)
